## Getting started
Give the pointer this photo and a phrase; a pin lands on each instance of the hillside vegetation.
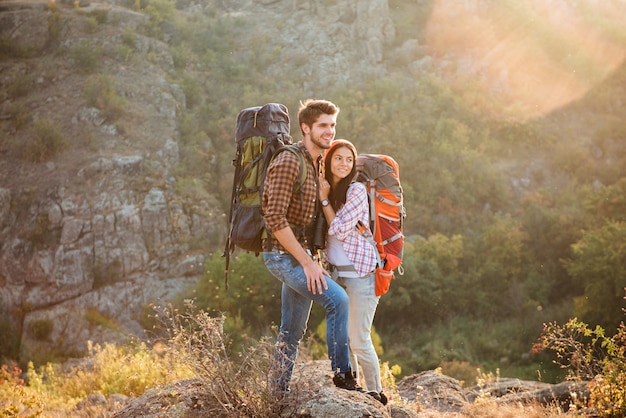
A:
(513, 166)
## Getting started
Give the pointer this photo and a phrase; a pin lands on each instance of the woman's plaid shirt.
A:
(360, 252)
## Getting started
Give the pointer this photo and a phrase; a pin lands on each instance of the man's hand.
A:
(315, 280)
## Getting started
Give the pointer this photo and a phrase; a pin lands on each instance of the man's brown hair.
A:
(311, 109)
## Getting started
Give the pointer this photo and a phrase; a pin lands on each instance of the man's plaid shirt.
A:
(282, 207)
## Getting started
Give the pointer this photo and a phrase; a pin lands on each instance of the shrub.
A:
(590, 354)
(15, 400)
(41, 329)
(101, 16)
(99, 319)
(20, 115)
(159, 11)
(100, 93)
(129, 370)
(45, 141)
(104, 275)
(55, 25)
(124, 52)
(86, 56)
(240, 384)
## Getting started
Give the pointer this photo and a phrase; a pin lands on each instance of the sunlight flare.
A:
(539, 55)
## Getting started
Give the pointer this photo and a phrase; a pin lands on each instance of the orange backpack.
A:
(381, 176)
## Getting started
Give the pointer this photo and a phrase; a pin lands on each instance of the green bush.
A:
(100, 93)
(589, 354)
(253, 293)
(40, 329)
(101, 16)
(108, 274)
(159, 11)
(87, 57)
(44, 141)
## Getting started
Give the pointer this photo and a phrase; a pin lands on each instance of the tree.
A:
(253, 295)
(599, 264)
(428, 290)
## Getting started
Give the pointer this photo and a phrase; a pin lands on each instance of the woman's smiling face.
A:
(341, 163)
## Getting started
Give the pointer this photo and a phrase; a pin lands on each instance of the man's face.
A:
(322, 132)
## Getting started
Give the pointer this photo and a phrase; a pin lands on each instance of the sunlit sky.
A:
(543, 54)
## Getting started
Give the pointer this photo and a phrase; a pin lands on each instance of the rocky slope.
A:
(427, 394)
(91, 235)
(99, 228)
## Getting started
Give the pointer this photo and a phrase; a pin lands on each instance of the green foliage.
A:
(599, 264)
(96, 318)
(15, 399)
(101, 16)
(86, 56)
(124, 52)
(8, 47)
(427, 291)
(253, 293)
(129, 38)
(44, 141)
(589, 354)
(100, 93)
(129, 370)
(55, 24)
(606, 202)
(461, 340)
(497, 259)
(551, 229)
(92, 24)
(42, 234)
(40, 329)
(159, 11)
(19, 115)
(106, 274)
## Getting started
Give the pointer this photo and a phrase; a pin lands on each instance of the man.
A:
(289, 218)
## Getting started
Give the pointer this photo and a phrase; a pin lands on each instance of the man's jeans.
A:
(296, 306)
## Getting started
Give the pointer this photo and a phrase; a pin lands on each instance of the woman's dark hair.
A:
(337, 195)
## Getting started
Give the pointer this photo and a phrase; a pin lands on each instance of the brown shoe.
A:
(347, 381)
(379, 396)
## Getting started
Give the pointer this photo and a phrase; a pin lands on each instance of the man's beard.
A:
(316, 141)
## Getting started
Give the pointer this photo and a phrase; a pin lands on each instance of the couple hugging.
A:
(345, 285)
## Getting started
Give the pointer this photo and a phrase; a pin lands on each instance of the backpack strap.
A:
(362, 229)
(303, 169)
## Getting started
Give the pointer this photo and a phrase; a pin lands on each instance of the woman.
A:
(351, 258)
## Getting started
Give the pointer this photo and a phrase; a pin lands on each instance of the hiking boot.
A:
(379, 396)
(347, 381)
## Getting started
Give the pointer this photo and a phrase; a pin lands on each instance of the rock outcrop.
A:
(424, 394)
(90, 237)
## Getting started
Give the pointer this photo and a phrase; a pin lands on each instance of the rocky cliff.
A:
(91, 234)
